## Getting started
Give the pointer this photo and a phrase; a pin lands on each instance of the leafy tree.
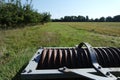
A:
(102, 19)
(87, 18)
(96, 20)
(116, 18)
(45, 18)
(15, 14)
(81, 18)
(109, 19)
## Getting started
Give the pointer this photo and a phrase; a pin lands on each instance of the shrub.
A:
(14, 14)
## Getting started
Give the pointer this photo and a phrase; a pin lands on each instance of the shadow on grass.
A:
(18, 75)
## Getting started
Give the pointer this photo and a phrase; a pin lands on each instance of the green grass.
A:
(112, 29)
(17, 46)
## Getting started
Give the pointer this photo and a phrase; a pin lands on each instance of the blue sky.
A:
(92, 8)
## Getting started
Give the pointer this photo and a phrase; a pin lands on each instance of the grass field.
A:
(17, 46)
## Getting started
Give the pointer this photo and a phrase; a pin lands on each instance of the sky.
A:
(92, 8)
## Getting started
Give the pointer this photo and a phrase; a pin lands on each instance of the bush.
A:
(13, 14)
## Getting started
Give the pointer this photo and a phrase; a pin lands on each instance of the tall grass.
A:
(106, 28)
(18, 45)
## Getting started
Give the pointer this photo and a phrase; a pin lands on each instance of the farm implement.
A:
(82, 62)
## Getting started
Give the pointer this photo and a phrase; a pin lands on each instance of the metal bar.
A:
(94, 61)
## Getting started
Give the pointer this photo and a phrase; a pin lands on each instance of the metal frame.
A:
(95, 63)
(30, 72)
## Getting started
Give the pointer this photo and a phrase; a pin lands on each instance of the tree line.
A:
(14, 13)
(86, 19)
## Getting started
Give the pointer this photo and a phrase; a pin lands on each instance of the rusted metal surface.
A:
(53, 58)
(74, 62)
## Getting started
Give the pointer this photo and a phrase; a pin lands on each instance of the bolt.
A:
(99, 67)
(35, 59)
(64, 68)
(38, 53)
(108, 73)
(29, 71)
(23, 71)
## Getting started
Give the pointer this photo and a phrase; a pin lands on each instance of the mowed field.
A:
(17, 46)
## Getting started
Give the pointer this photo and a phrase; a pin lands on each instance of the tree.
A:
(87, 18)
(67, 19)
(91, 20)
(96, 20)
(109, 19)
(80, 18)
(116, 18)
(102, 19)
(45, 18)
(14, 14)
